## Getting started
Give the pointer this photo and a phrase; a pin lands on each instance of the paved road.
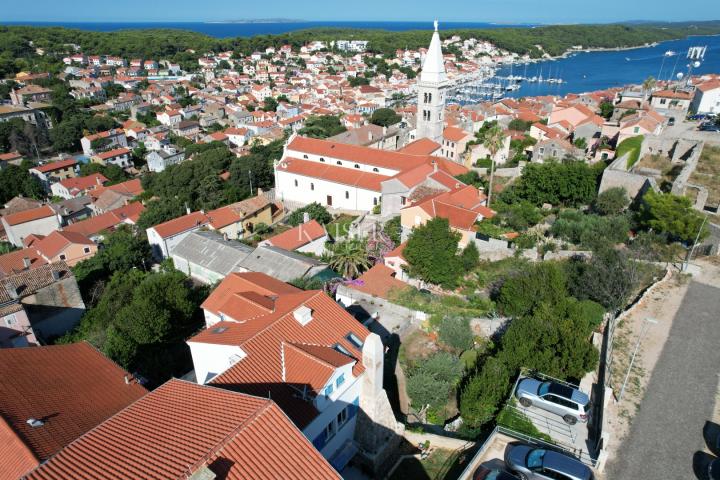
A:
(668, 428)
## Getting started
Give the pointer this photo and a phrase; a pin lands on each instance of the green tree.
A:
(15, 180)
(158, 211)
(349, 258)
(270, 104)
(314, 210)
(393, 229)
(455, 332)
(113, 173)
(322, 126)
(385, 117)
(483, 393)
(431, 253)
(431, 380)
(609, 278)
(607, 109)
(470, 257)
(612, 201)
(570, 184)
(672, 215)
(539, 283)
(580, 143)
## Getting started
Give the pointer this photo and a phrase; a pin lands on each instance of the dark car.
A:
(671, 121)
(710, 127)
(714, 469)
(484, 473)
(531, 463)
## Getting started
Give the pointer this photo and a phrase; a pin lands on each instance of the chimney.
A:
(187, 210)
(11, 290)
(127, 380)
(370, 136)
(35, 422)
(303, 315)
(26, 262)
(55, 275)
(306, 217)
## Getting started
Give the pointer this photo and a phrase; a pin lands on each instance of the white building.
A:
(163, 237)
(431, 87)
(707, 97)
(159, 160)
(355, 178)
(301, 349)
(36, 221)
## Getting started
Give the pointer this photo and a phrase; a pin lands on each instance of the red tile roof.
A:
(51, 167)
(29, 215)
(181, 224)
(298, 236)
(332, 173)
(455, 134)
(181, 428)
(113, 153)
(380, 281)
(71, 388)
(57, 241)
(107, 221)
(262, 333)
(422, 146)
(12, 262)
(79, 184)
(379, 158)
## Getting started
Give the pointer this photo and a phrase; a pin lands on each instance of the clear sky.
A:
(509, 11)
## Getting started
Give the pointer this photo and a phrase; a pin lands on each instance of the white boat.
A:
(670, 53)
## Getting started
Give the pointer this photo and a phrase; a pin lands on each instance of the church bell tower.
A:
(432, 88)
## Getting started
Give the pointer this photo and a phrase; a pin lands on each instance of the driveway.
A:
(680, 397)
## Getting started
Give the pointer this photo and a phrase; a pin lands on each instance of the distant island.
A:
(260, 20)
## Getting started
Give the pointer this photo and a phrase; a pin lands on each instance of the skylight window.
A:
(355, 340)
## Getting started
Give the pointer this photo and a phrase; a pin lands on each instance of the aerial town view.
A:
(378, 240)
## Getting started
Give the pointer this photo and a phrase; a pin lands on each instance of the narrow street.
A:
(667, 430)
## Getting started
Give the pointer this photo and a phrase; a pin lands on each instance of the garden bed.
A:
(340, 226)
(707, 173)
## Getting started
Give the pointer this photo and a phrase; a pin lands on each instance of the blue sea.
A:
(581, 72)
(590, 71)
(227, 30)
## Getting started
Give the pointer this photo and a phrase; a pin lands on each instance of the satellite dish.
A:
(697, 64)
(680, 76)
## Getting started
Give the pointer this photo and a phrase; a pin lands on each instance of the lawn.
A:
(707, 173)
(341, 225)
(435, 466)
(632, 146)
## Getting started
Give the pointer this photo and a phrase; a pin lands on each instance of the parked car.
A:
(530, 463)
(671, 121)
(570, 403)
(714, 469)
(700, 116)
(710, 127)
(484, 473)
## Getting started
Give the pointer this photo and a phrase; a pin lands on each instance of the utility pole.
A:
(646, 324)
(250, 177)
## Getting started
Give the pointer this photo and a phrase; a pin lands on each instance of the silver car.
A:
(530, 463)
(570, 403)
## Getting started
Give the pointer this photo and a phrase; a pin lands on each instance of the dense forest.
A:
(19, 44)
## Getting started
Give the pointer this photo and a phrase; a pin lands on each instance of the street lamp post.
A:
(646, 324)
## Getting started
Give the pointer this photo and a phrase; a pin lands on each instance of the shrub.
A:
(455, 332)
(524, 291)
(612, 201)
(432, 379)
(589, 230)
(316, 212)
(481, 396)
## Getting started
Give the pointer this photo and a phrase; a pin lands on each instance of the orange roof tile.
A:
(181, 224)
(379, 281)
(116, 152)
(262, 334)
(13, 262)
(422, 146)
(454, 134)
(57, 241)
(51, 167)
(332, 173)
(107, 221)
(298, 236)
(379, 158)
(36, 384)
(29, 215)
(180, 428)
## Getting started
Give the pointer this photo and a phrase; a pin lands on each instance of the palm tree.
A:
(349, 258)
(494, 140)
(649, 84)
